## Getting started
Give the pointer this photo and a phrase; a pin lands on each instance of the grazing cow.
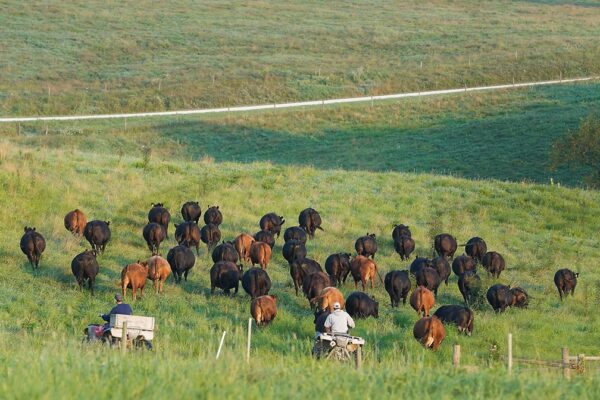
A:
(320, 317)
(494, 263)
(429, 332)
(363, 270)
(181, 259)
(272, 222)
(521, 298)
(313, 285)
(400, 230)
(188, 234)
(397, 284)
(442, 266)
(469, 285)
(476, 248)
(366, 245)
(85, 267)
(260, 253)
(159, 214)
(418, 263)
(463, 263)
(213, 216)
(500, 297)
(264, 309)
(225, 275)
(565, 281)
(210, 235)
(293, 250)
(338, 267)
(154, 234)
(460, 316)
(360, 305)
(33, 245)
(429, 278)
(445, 245)
(225, 252)
(97, 234)
(190, 211)
(158, 271)
(256, 282)
(404, 246)
(265, 237)
(327, 298)
(242, 244)
(295, 233)
(309, 220)
(134, 276)
(75, 222)
(300, 268)
(422, 300)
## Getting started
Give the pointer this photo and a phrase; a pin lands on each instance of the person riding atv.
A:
(96, 331)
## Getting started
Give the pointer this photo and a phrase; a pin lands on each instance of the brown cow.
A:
(264, 309)
(429, 332)
(243, 243)
(328, 297)
(260, 253)
(134, 276)
(363, 269)
(75, 222)
(422, 299)
(158, 271)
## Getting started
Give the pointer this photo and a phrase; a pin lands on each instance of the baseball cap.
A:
(336, 306)
(118, 297)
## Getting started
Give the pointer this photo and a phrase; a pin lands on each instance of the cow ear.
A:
(176, 225)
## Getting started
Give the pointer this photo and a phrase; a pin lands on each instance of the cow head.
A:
(520, 297)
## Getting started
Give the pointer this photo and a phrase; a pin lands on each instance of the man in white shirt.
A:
(338, 321)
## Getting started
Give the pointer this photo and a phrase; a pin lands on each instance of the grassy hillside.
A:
(93, 56)
(538, 228)
(503, 135)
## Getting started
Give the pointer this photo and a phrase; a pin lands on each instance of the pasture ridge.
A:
(311, 103)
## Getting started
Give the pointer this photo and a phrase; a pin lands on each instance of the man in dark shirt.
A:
(120, 308)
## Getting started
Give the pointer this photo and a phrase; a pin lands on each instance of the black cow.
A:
(210, 235)
(400, 230)
(295, 233)
(565, 281)
(429, 278)
(366, 245)
(494, 263)
(188, 234)
(397, 284)
(225, 275)
(500, 297)
(159, 214)
(476, 248)
(256, 282)
(469, 285)
(418, 263)
(463, 263)
(360, 305)
(445, 245)
(265, 237)
(442, 266)
(190, 211)
(310, 220)
(154, 234)
(272, 222)
(300, 268)
(338, 267)
(33, 245)
(225, 252)
(461, 316)
(181, 259)
(213, 216)
(293, 250)
(404, 246)
(97, 234)
(85, 267)
(313, 284)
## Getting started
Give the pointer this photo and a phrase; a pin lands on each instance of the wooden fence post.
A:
(580, 362)
(249, 340)
(220, 345)
(565, 363)
(124, 338)
(510, 354)
(358, 359)
(456, 356)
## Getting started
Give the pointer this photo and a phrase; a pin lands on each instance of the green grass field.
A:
(470, 164)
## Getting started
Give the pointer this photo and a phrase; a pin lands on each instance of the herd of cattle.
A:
(319, 287)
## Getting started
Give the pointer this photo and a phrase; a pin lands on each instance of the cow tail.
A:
(259, 313)
(421, 299)
(470, 324)
(378, 274)
(432, 332)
